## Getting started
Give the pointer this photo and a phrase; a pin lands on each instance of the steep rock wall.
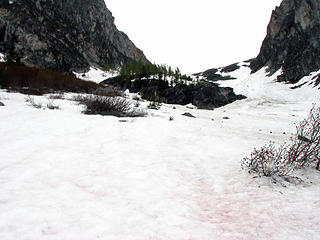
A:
(64, 35)
(293, 40)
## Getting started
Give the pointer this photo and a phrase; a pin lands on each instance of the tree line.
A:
(140, 70)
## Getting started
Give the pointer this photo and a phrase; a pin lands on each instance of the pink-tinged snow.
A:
(69, 176)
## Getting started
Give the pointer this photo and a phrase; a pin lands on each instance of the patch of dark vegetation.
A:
(299, 86)
(36, 81)
(279, 163)
(154, 105)
(212, 75)
(230, 68)
(52, 106)
(210, 72)
(111, 106)
(161, 84)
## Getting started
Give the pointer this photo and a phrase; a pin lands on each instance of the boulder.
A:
(210, 96)
(187, 114)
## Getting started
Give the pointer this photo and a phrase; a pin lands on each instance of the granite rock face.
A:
(292, 42)
(64, 35)
(210, 96)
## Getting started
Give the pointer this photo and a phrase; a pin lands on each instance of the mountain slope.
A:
(98, 177)
(64, 35)
(292, 42)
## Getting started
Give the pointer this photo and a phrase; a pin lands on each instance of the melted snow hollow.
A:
(69, 176)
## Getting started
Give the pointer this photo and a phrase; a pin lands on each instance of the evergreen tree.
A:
(11, 57)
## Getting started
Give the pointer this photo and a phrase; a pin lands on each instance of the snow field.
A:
(69, 176)
(96, 75)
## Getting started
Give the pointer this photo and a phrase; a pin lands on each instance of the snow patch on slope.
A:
(96, 75)
(261, 86)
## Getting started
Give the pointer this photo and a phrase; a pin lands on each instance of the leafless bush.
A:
(154, 105)
(56, 96)
(115, 106)
(38, 104)
(108, 92)
(302, 150)
(80, 98)
(137, 104)
(137, 112)
(3, 97)
(33, 103)
(305, 145)
(52, 106)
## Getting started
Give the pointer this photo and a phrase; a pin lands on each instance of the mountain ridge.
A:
(70, 35)
(291, 44)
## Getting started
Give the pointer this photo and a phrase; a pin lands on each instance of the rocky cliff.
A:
(64, 35)
(293, 40)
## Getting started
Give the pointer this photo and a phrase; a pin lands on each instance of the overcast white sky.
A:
(194, 35)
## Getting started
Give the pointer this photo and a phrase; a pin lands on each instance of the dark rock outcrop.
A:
(213, 75)
(210, 96)
(205, 95)
(176, 95)
(64, 35)
(230, 68)
(187, 114)
(292, 42)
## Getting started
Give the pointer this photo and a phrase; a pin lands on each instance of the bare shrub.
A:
(79, 98)
(58, 96)
(268, 161)
(52, 106)
(137, 112)
(108, 92)
(115, 106)
(305, 145)
(302, 150)
(33, 103)
(154, 105)
(137, 104)
(38, 104)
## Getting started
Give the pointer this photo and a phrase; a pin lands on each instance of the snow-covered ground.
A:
(69, 176)
(96, 75)
(2, 57)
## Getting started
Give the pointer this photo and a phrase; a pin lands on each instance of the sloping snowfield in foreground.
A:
(69, 176)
